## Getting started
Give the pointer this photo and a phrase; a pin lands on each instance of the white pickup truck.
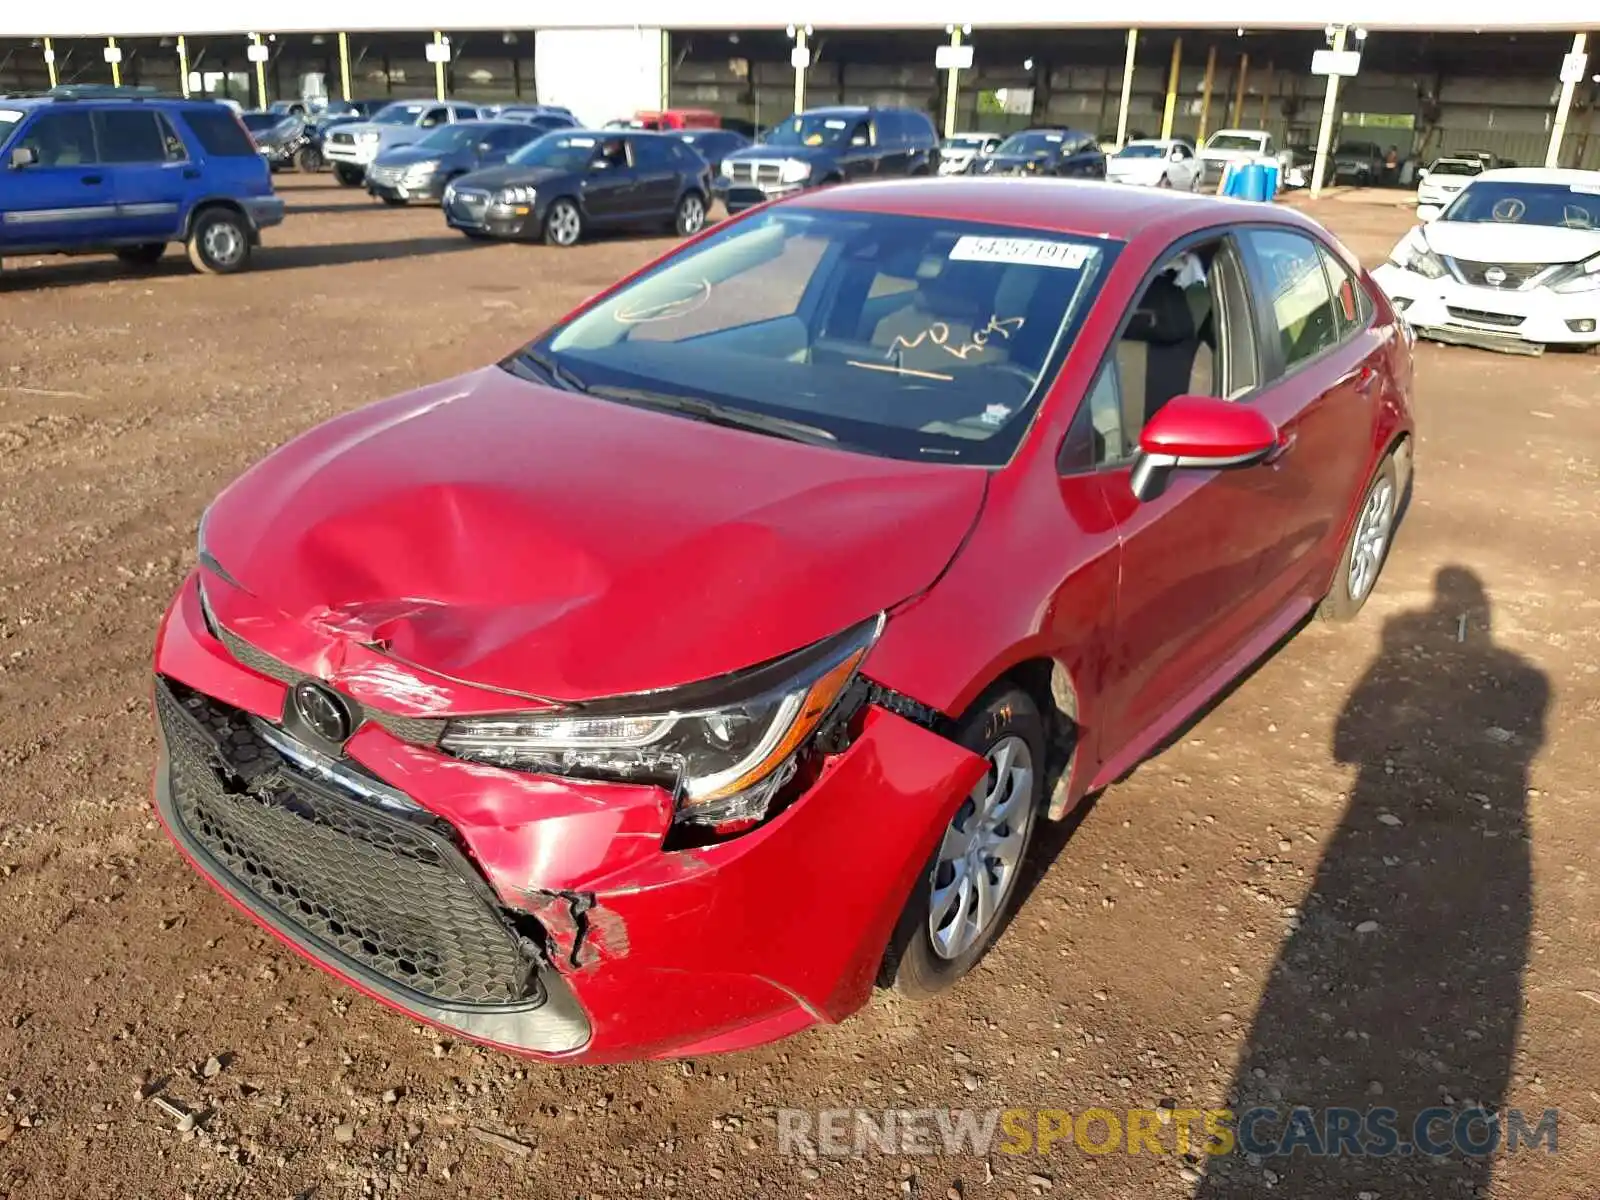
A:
(1235, 146)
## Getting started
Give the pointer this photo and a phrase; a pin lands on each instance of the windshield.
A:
(1234, 141)
(1567, 206)
(1032, 144)
(813, 129)
(1145, 151)
(563, 151)
(1456, 166)
(450, 137)
(398, 114)
(908, 337)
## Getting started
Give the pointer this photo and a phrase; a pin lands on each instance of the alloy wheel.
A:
(564, 223)
(1371, 538)
(982, 851)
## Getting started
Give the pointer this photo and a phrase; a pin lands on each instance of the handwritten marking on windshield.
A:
(665, 310)
(894, 370)
(939, 334)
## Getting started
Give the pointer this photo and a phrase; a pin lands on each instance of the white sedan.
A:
(1441, 179)
(1512, 264)
(1155, 162)
(956, 153)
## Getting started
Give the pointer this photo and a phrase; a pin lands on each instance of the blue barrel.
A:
(1253, 182)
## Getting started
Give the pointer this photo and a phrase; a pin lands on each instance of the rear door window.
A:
(1297, 289)
(130, 135)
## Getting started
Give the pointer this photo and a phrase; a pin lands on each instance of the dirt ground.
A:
(1366, 878)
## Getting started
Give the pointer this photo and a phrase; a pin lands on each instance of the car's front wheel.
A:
(691, 215)
(563, 223)
(1368, 547)
(963, 898)
(348, 175)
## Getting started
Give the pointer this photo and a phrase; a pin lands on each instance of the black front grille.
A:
(342, 139)
(750, 171)
(423, 731)
(1512, 275)
(1479, 317)
(387, 890)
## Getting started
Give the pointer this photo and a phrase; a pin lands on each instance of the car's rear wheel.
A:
(1368, 547)
(348, 175)
(691, 215)
(146, 255)
(563, 223)
(963, 898)
(219, 242)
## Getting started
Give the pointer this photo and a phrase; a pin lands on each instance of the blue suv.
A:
(128, 176)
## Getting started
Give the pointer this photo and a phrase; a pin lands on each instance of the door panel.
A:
(148, 187)
(66, 195)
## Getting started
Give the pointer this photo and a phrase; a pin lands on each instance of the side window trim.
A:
(1215, 233)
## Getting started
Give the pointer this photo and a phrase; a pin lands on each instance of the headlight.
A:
(516, 195)
(1413, 254)
(368, 135)
(727, 167)
(422, 170)
(724, 747)
(1580, 277)
(794, 170)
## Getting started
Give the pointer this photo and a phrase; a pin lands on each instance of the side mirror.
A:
(1201, 433)
(23, 156)
(1428, 212)
(1422, 172)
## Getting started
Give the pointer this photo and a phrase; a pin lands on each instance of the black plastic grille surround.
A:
(1515, 274)
(388, 890)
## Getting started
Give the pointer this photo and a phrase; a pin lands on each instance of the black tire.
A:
(563, 223)
(911, 963)
(690, 218)
(394, 201)
(1349, 593)
(147, 255)
(308, 159)
(1165, 180)
(219, 242)
(349, 176)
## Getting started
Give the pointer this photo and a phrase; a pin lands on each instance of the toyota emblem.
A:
(1494, 276)
(323, 712)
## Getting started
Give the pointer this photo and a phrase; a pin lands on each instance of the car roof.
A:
(1158, 142)
(1568, 176)
(1087, 208)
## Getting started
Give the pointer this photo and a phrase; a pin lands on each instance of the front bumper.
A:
(1449, 310)
(743, 195)
(428, 190)
(355, 154)
(642, 951)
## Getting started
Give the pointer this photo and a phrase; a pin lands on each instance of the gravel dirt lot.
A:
(1365, 878)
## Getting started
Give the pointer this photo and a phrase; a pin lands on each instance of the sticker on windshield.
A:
(1585, 189)
(1052, 137)
(580, 141)
(834, 123)
(1033, 252)
(995, 414)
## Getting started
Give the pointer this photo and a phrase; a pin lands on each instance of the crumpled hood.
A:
(561, 546)
(1494, 242)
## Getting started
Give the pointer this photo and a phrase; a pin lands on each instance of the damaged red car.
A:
(718, 655)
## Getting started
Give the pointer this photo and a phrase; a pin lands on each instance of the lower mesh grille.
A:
(389, 891)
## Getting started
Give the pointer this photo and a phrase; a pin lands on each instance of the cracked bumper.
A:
(1452, 311)
(655, 953)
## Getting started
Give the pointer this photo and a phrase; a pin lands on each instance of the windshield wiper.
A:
(553, 370)
(717, 414)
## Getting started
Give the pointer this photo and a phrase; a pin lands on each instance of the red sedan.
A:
(662, 688)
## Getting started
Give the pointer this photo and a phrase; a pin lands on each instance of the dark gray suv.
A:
(841, 144)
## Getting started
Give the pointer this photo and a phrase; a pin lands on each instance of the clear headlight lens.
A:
(517, 194)
(368, 135)
(794, 170)
(422, 170)
(1413, 254)
(1582, 277)
(725, 748)
(726, 167)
